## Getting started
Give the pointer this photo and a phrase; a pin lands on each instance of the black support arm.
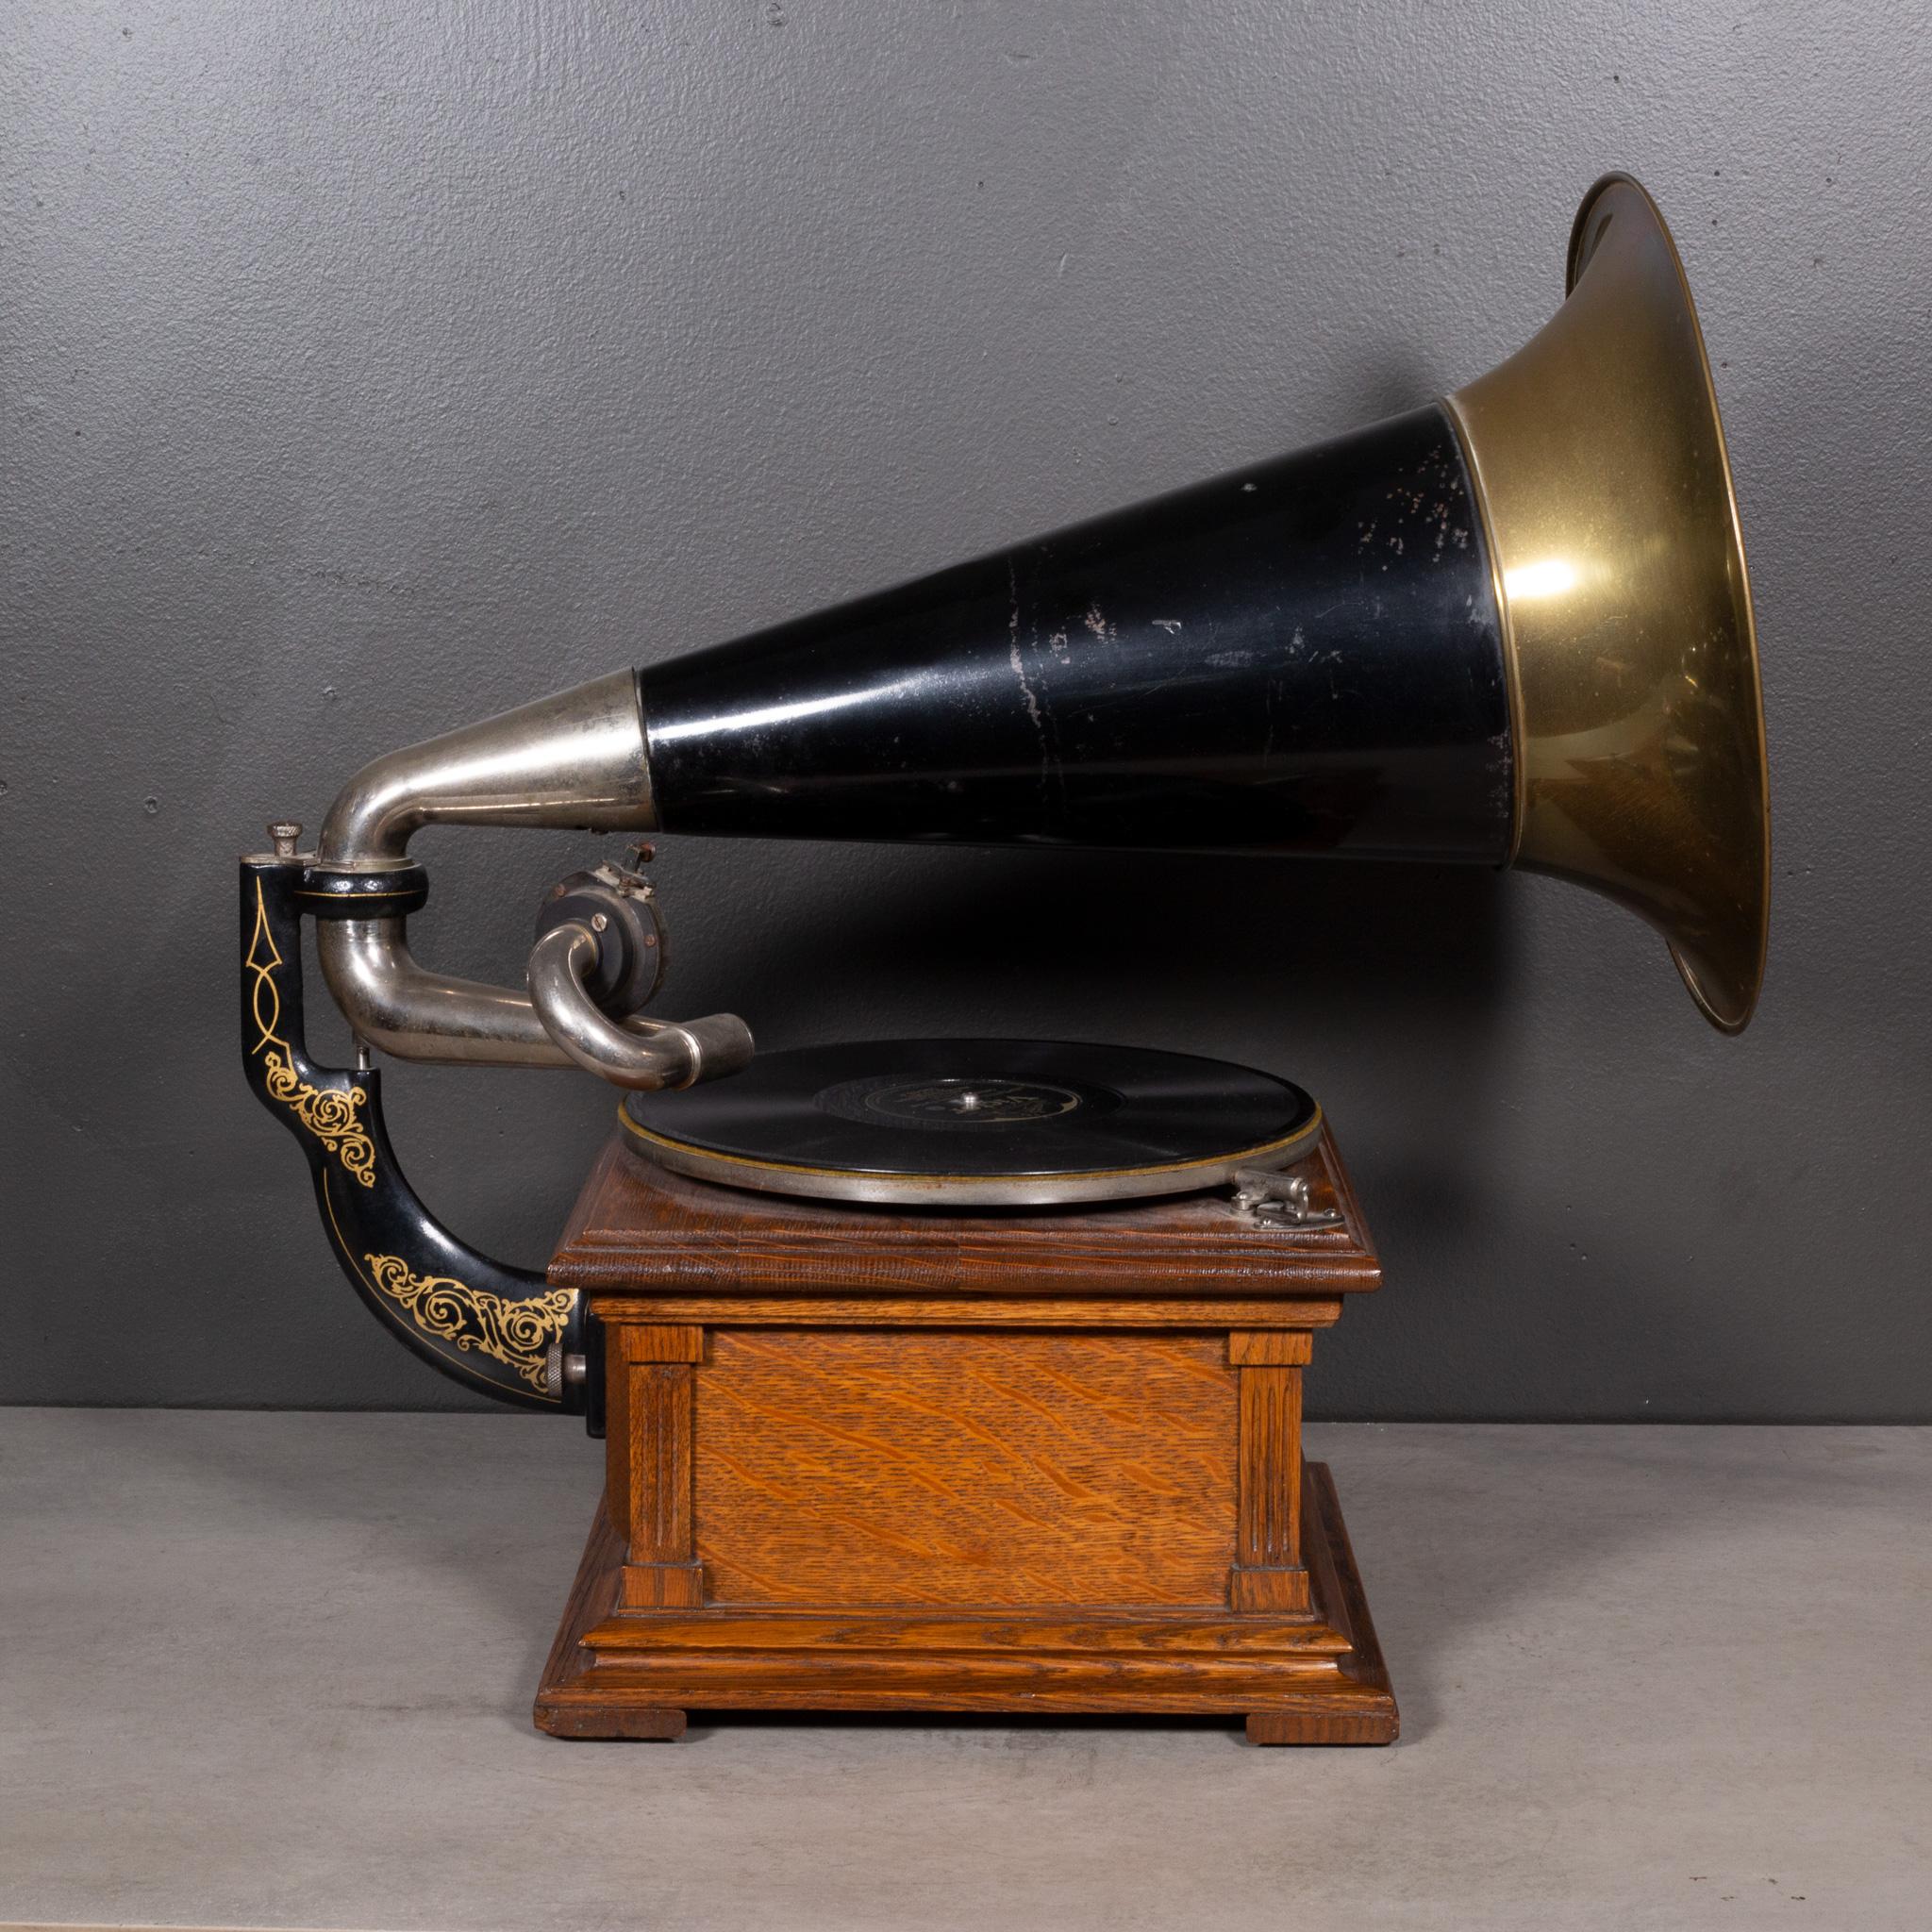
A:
(502, 1330)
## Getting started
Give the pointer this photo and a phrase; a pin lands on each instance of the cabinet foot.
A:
(609, 1721)
(1374, 1724)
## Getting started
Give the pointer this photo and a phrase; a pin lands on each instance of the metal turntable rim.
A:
(1063, 1188)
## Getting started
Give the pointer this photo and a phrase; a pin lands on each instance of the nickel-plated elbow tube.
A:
(576, 761)
(406, 1010)
(647, 1055)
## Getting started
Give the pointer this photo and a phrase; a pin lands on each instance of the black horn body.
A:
(1304, 657)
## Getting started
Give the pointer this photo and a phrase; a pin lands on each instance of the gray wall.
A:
(370, 368)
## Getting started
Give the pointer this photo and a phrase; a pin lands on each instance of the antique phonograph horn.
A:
(1510, 627)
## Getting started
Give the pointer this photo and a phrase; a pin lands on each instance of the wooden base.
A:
(1313, 1677)
(863, 1459)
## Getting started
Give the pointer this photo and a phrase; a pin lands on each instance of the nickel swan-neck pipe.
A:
(576, 761)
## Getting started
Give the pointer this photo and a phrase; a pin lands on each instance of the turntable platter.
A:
(976, 1123)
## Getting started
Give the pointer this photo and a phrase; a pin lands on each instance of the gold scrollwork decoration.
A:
(332, 1114)
(519, 1334)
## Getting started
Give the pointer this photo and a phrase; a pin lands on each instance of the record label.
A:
(958, 1102)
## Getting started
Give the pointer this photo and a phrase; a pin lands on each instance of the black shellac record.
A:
(965, 1122)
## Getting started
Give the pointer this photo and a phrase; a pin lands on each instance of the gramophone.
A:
(966, 1375)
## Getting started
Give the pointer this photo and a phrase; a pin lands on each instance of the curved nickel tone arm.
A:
(501, 1330)
(574, 760)
(642, 1054)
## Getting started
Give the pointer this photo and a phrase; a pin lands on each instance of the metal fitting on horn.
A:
(1605, 495)
(577, 760)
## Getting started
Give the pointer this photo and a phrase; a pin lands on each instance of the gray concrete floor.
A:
(275, 1670)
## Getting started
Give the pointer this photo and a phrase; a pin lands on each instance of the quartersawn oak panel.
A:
(977, 1468)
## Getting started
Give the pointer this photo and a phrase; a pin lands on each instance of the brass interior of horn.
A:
(1600, 464)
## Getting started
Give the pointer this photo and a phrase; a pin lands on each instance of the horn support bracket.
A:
(501, 1332)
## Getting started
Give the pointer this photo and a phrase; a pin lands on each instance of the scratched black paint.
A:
(1302, 657)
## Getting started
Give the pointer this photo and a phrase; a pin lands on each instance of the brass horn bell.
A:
(1605, 494)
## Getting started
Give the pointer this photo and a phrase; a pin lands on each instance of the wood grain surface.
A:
(1117, 1310)
(1268, 1546)
(638, 1227)
(615, 1675)
(857, 1467)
